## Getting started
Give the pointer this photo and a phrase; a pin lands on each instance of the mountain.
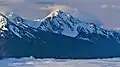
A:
(59, 35)
(13, 29)
(65, 24)
(16, 27)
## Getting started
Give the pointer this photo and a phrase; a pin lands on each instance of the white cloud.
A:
(60, 7)
(116, 28)
(113, 6)
(116, 6)
(104, 6)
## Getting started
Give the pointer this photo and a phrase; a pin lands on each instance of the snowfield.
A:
(31, 62)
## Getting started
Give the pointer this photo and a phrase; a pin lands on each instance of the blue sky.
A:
(108, 11)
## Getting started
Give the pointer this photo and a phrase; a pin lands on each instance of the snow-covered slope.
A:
(56, 22)
(60, 22)
(65, 24)
(14, 17)
(15, 27)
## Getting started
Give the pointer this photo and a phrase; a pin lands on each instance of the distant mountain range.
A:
(58, 35)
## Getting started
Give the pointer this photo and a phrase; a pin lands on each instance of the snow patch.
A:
(15, 30)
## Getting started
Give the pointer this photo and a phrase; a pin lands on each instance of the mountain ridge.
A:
(60, 23)
(58, 35)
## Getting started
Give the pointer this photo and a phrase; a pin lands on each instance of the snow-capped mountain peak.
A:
(58, 22)
(65, 24)
(20, 20)
(10, 26)
(53, 14)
